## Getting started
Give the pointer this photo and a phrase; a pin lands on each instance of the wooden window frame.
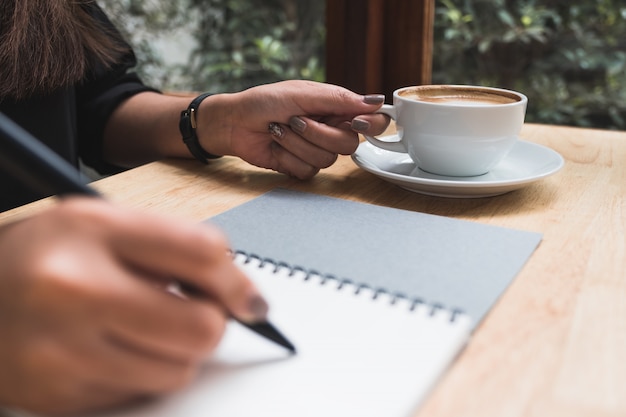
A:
(377, 46)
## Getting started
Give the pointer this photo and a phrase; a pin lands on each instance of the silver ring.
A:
(276, 130)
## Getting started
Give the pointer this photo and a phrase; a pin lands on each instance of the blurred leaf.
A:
(569, 58)
(506, 17)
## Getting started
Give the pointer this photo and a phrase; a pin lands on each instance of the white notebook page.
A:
(356, 356)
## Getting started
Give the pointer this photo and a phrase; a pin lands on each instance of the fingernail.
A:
(258, 307)
(360, 125)
(297, 124)
(374, 99)
(345, 126)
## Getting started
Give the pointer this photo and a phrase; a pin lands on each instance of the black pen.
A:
(263, 328)
(39, 168)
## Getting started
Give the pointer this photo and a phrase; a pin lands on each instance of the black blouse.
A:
(71, 121)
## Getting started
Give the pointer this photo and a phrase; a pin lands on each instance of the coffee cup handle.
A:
(393, 146)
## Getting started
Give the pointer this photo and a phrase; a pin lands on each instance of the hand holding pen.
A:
(91, 323)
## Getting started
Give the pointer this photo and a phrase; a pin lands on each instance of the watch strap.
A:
(187, 126)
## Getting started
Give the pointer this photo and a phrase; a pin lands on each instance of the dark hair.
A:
(49, 44)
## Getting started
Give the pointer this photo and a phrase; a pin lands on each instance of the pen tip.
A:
(267, 330)
(277, 337)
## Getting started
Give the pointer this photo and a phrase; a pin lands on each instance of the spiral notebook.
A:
(358, 354)
(377, 301)
(461, 265)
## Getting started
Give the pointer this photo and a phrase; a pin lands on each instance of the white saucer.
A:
(527, 162)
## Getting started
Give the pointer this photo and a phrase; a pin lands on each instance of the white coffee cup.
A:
(454, 130)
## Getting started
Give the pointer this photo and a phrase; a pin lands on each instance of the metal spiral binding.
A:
(342, 283)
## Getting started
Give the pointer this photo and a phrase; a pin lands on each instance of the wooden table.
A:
(555, 343)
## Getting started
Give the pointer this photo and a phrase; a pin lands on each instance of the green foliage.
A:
(242, 43)
(143, 21)
(236, 43)
(569, 58)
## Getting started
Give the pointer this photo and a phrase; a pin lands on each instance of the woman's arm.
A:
(317, 120)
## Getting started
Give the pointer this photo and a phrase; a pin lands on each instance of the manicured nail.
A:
(360, 125)
(258, 307)
(297, 124)
(374, 99)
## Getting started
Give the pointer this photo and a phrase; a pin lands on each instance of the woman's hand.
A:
(313, 123)
(85, 319)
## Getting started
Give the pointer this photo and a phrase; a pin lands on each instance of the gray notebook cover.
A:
(457, 264)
